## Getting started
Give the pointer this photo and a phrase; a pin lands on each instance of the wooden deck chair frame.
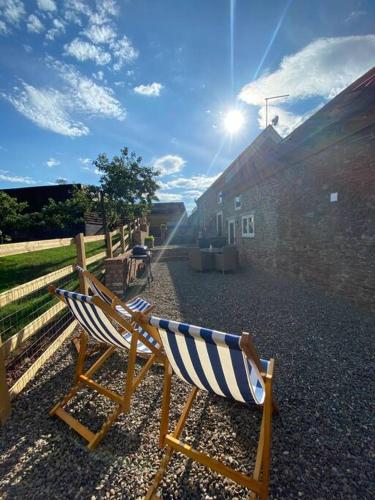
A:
(85, 378)
(258, 482)
(115, 301)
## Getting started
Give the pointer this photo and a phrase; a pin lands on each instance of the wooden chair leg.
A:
(166, 402)
(105, 428)
(151, 493)
(266, 459)
(176, 434)
(81, 354)
(130, 373)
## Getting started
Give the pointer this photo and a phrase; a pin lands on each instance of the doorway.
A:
(231, 231)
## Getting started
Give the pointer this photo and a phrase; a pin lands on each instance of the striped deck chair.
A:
(127, 309)
(227, 365)
(99, 321)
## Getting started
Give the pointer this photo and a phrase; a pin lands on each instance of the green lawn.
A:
(21, 268)
(18, 269)
(18, 314)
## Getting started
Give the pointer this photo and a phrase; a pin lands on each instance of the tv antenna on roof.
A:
(270, 99)
(275, 120)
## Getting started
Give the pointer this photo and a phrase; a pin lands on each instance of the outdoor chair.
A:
(227, 260)
(97, 320)
(224, 364)
(200, 261)
(126, 309)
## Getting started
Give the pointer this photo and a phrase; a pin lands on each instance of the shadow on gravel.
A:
(323, 347)
(46, 457)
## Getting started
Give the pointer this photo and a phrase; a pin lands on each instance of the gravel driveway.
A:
(323, 443)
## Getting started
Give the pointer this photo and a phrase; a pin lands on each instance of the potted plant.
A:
(149, 241)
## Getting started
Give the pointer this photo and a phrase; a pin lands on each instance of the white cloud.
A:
(15, 178)
(52, 162)
(288, 121)
(3, 28)
(12, 10)
(168, 197)
(56, 110)
(99, 75)
(58, 29)
(84, 51)
(100, 34)
(322, 68)
(48, 108)
(123, 51)
(78, 6)
(355, 15)
(34, 25)
(91, 97)
(169, 164)
(108, 7)
(198, 182)
(85, 161)
(152, 89)
(48, 5)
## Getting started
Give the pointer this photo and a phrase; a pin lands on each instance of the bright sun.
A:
(233, 121)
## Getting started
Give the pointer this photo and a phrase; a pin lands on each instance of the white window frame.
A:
(240, 205)
(220, 198)
(217, 223)
(247, 234)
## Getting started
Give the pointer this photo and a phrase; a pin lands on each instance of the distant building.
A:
(305, 204)
(38, 196)
(171, 214)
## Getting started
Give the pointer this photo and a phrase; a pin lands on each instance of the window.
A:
(248, 229)
(220, 198)
(237, 202)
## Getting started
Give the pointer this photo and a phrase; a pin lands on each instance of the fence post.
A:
(81, 261)
(122, 236)
(108, 237)
(5, 407)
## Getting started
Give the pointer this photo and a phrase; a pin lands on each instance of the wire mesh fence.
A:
(29, 308)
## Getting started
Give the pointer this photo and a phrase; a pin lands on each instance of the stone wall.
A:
(299, 230)
(118, 274)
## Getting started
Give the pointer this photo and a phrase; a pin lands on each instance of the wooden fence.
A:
(19, 292)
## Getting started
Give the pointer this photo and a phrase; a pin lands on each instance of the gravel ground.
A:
(323, 443)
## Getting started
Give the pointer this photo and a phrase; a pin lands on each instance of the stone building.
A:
(172, 215)
(305, 205)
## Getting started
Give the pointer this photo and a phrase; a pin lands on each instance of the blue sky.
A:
(80, 77)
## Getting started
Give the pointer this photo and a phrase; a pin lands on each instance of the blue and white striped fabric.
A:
(98, 325)
(136, 305)
(96, 290)
(211, 360)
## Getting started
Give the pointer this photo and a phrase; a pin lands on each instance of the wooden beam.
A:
(30, 329)
(20, 291)
(31, 372)
(95, 258)
(96, 237)
(33, 246)
(5, 407)
(116, 245)
(215, 465)
(81, 261)
(74, 424)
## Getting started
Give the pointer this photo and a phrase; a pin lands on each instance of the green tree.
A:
(65, 214)
(11, 213)
(128, 186)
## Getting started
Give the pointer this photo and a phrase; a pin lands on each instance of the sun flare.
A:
(233, 121)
